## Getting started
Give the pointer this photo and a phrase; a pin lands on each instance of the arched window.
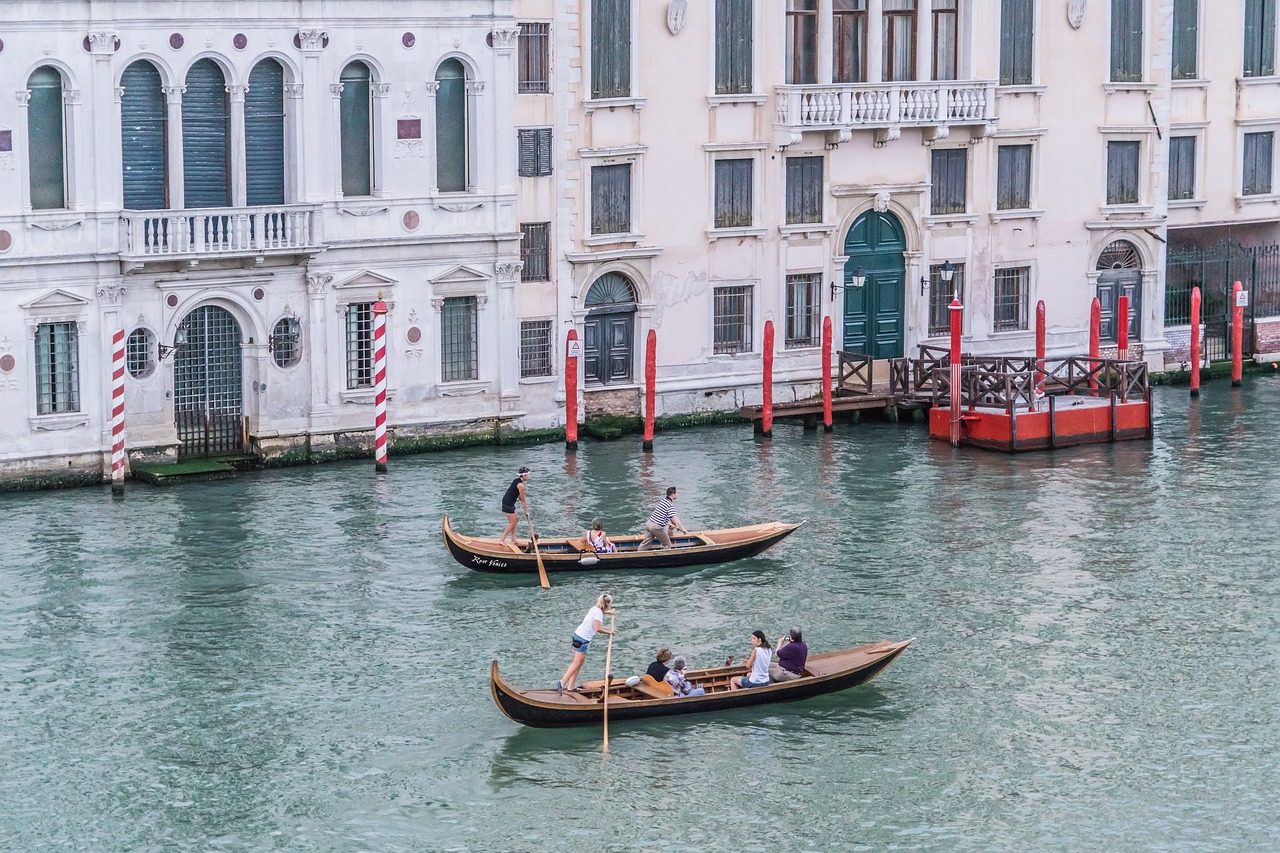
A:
(206, 145)
(142, 138)
(1120, 255)
(264, 134)
(46, 140)
(357, 130)
(451, 127)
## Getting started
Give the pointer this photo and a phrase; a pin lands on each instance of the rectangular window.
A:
(946, 34)
(940, 295)
(535, 348)
(535, 59)
(899, 33)
(849, 41)
(611, 199)
(1182, 167)
(734, 39)
(360, 345)
(1123, 162)
(535, 251)
(1013, 177)
(1017, 35)
(732, 320)
(1126, 41)
(804, 190)
(1186, 38)
(802, 41)
(459, 361)
(57, 368)
(804, 307)
(534, 147)
(1259, 38)
(950, 180)
(610, 48)
(1012, 294)
(733, 193)
(1258, 149)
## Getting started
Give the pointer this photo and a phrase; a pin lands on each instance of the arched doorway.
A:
(608, 334)
(1120, 268)
(208, 394)
(873, 313)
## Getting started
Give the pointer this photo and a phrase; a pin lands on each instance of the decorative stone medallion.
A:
(1075, 13)
(240, 41)
(176, 41)
(411, 220)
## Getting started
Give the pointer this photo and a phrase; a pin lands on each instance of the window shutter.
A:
(355, 122)
(1126, 41)
(451, 127)
(733, 46)
(1185, 39)
(544, 150)
(528, 151)
(264, 134)
(142, 137)
(611, 48)
(205, 142)
(611, 199)
(1182, 159)
(1017, 20)
(1122, 172)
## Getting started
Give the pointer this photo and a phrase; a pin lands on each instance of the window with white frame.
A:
(57, 368)
(941, 292)
(1259, 154)
(611, 199)
(1017, 42)
(533, 145)
(731, 319)
(733, 201)
(1182, 167)
(1124, 165)
(804, 308)
(1126, 41)
(734, 46)
(459, 354)
(535, 348)
(534, 62)
(1012, 293)
(1013, 177)
(1186, 39)
(1259, 38)
(804, 190)
(359, 345)
(610, 48)
(949, 192)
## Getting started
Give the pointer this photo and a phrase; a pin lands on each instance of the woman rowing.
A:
(592, 624)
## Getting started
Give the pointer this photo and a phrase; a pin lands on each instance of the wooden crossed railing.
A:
(854, 375)
(1009, 382)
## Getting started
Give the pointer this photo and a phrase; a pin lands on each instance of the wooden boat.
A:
(703, 548)
(823, 673)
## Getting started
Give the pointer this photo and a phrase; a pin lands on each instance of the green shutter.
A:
(46, 140)
(611, 48)
(356, 112)
(206, 166)
(142, 136)
(264, 134)
(733, 46)
(451, 127)
(1126, 41)
(1259, 38)
(1185, 39)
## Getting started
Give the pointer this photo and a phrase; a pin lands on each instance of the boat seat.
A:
(653, 688)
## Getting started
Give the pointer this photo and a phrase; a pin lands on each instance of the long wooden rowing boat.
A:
(703, 548)
(823, 673)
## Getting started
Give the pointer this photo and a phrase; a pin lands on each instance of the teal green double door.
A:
(874, 314)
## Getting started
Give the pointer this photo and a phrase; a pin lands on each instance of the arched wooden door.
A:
(208, 391)
(874, 313)
(1120, 274)
(608, 334)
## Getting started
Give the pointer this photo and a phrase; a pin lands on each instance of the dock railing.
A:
(1011, 382)
(854, 375)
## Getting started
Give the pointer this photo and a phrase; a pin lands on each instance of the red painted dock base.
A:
(1068, 421)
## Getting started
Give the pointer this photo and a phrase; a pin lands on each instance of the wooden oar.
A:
(608, 657)
(533, 537)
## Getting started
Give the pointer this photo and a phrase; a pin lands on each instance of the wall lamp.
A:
(857, 278)
(946, 272)
(290, 334)
(179, 341)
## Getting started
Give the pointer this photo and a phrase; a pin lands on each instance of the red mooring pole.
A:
(1195, 342)
(826, 374)
(1095, 343)
(1237, 334)
(650, 387)
(1122, 328)
(117, 412)
(766, 416)
(1040, 345)
(571, 349)
(957, 317)
(380, 386)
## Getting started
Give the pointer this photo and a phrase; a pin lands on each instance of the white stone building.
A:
(232, 184)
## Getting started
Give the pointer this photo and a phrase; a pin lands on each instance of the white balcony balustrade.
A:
(850, 106)
(220, 232)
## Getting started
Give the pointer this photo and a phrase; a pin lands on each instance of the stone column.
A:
(480, 151)
(296, 142)
(924, 41)
(506, 329)
(429, 134)
(103, 148)
(239, 178)
(383, 138)
(825, 47)
(173, 103)
(875, 41)
(505, 40)
(335, 159)
(318, 345)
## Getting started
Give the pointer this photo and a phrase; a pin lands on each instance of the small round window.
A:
(140, 351)
(286, 346)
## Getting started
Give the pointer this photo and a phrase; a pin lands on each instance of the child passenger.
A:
(598, 539)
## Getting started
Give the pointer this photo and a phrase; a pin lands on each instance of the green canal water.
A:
(291, 661)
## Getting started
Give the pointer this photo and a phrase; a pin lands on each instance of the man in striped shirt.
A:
(663, 517)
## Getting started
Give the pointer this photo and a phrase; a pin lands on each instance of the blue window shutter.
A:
(356, 110)
(142, 138)
(46, 149)
(205, 150)
(264, 134)
(451, 127)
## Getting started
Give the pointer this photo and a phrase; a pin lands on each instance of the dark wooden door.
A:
(607, 348)
(1111, 286)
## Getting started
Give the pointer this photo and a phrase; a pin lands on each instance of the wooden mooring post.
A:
(766, 416)
(650, 387)
(1238, 299)
(1195, 342)
(826, 374)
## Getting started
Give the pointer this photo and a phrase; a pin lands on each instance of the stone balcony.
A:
(233, 232)
(886, 108)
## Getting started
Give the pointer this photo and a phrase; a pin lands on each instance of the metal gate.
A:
(208, 397)
(1215, 271)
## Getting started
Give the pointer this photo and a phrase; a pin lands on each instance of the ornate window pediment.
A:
(461, 280)
(57, 300)
(365, 279)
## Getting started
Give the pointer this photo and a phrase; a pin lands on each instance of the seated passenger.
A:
(599, 540)
(757, 664)
(658, 669)
(789, 662)
(679, 684)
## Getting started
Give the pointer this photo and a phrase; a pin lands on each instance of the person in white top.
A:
(598, 539)
(592, 624)
(757, 664)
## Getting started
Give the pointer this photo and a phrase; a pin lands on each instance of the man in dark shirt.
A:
(788, 662)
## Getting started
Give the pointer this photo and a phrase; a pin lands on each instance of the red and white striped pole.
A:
(380, 386)
(117, 412)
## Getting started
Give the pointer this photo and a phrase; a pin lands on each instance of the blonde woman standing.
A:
(592, 624)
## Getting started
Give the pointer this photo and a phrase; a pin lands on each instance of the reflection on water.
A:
(292, 660)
